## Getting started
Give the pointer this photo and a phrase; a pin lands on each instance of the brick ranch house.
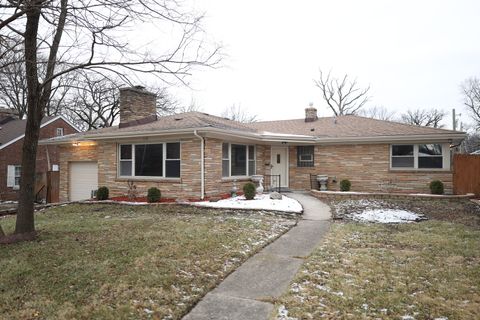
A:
(12, 132)
(192, 155)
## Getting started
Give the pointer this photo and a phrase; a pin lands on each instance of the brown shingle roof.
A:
(345, 126)
(11, 129)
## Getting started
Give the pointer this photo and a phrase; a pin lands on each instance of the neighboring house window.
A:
(238, 160)
(305, 157)
(150, 160)
(417, 156)
(59, 132)
(13, 176)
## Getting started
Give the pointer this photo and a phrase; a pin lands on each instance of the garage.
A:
(83, 179)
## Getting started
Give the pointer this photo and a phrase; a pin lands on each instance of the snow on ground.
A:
(262, 202)
(378, 211)
(386, 216)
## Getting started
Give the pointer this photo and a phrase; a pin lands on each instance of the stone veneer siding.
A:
(105, 153)
(367, 166)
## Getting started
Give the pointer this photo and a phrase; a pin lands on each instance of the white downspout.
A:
(202, 163)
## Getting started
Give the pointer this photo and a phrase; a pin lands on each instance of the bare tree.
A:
(471, 98)
(192, 106)
(343, 96)
(377, 112)
(237, 113)
(90, 35)
(424, 117)
(471, 142)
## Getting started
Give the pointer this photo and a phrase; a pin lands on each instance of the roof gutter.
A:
(202, 163)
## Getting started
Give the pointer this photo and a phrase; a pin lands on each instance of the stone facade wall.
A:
(367, 167)
(12, 155)
(136, 104)
(187, 186)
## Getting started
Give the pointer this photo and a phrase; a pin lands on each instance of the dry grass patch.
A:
(126, 262)
(427, 270)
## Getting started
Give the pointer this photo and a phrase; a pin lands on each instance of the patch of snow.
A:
(386, 216)
(408, 318)
(283, 314)
(260, 202)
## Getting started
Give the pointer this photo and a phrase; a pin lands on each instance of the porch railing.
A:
(272, 182)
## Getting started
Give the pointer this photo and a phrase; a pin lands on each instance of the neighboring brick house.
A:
(12, 132)
(193, 154)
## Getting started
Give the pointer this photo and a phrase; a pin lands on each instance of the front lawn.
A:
(425, 270)
(126, 262)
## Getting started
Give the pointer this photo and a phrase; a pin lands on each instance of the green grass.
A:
(125, 262)
(425, 270)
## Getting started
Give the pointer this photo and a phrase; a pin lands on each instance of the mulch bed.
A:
(463, 211)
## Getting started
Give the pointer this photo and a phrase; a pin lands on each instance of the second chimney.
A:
(310, 113)
(137, 106)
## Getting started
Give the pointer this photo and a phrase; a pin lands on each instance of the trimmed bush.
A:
(153, 195)
(102, 193)
(249, 190)
(436, 187)
(345, 185)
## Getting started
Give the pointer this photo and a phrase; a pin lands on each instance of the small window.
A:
(18, 172)
(172, 161)
(225, 160)
(305, 156)
(251, 160)
(59, 132)
(126, 160)
(403, 156)
(430, 156)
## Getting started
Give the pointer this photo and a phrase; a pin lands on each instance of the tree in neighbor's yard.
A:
(423, 117)
(471, 99)
(343, 96)
(237, 113)
(65, 36)
(377, 112)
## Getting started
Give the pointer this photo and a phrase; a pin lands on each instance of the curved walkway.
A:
(268, 273)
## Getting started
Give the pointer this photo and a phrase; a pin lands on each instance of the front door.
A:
(279, 164)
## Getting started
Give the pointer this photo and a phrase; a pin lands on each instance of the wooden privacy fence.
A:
(466, 174)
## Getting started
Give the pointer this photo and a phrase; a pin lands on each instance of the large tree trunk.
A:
(25, 220)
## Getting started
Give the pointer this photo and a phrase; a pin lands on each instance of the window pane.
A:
(126, 151)
(172, 168)
(239, 160)
(224, 150)
(125, 168)
(305, 156)
(225, 166)
(149, 160)
(251, 152)
(402, 162)
(402, 150)
(430, 149)
(173, 150)
(251, 167)
(430, 162)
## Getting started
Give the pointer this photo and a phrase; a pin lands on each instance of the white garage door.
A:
(83, 179)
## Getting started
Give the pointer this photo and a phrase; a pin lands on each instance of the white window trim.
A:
(61, 132)
(247, 160)
(445, 156)
(164, 159)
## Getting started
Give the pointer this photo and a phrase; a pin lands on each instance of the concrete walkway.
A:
(268, 273)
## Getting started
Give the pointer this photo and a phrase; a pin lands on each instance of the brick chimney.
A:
(137, 106)
(310, 113)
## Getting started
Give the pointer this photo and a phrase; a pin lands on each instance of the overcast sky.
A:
(413, 54)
